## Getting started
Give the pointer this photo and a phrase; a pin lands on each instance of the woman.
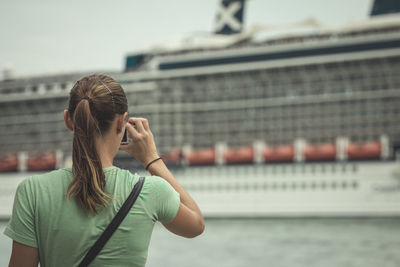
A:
(58, 216)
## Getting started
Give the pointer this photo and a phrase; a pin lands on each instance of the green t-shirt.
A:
(42, 217)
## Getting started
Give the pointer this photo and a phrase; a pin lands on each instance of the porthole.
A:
(274, 186)
(313, 185)
(237, 187)
(265, 186)
(354, 168)
(333, 185)
(219, 187)
(303, 185)
(245, 187)
(343, 168)
(344, 185)
(256, 187)
(294, 186)
(313, 169)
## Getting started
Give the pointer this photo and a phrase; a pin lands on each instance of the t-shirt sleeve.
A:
(166, 200)
(21, 226)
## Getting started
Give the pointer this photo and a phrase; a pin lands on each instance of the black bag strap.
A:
(116, 221)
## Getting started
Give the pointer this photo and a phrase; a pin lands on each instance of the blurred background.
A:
(281, 118)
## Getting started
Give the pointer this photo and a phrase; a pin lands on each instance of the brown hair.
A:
(94, 102)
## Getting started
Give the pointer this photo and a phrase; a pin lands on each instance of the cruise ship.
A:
(301, 120)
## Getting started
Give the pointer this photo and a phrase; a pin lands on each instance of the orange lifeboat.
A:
(8, 163)
(41, 161)
(283, 153)
(201, 157)
(173, 157)
(239, 155)
(320, 152)
(367, 150)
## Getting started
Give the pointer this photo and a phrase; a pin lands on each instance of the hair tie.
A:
(87, 98)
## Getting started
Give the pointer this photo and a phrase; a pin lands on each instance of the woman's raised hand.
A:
(142, 146)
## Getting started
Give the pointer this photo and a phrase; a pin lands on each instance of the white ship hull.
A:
(288, 190)
(278, 190)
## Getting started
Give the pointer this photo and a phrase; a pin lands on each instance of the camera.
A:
(125, 138)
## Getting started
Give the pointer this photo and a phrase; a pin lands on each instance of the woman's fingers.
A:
(142, 124)
(132, 131)
(146, 124)
(142, 147)
(138, 123)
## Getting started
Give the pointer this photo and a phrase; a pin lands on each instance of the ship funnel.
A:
(230, 17)
(381, 7)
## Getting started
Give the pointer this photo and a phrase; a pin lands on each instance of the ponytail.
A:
(88, 183)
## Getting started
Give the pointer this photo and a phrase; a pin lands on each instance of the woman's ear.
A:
(121, 122)
(68, 121)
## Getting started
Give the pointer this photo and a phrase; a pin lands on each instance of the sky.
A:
(53, 36)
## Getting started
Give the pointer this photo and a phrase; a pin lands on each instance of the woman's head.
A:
(101, 96)
(95, 103)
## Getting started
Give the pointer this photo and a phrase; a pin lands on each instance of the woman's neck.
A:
(106, 150)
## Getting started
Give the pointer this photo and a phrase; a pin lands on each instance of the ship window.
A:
(354, 168)
(312, 168)
(19, 90)
(223, 187)
(344, 168)
(245, 187)
(265, 186)
(274, 186)
(303, 185)
(237, 186)
(231, 187)
(283, 169)
(294, 186)
(63, 86)
(283, 186)
(234, 187)
(333, 185)
(313, 185)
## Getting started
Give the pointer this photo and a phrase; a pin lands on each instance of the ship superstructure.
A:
(304, 122)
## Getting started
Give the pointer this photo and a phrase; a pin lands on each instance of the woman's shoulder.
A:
(150, 180)
(156, 182)
(158, 187)
(51, 176)
(42, 182)
(152, 184)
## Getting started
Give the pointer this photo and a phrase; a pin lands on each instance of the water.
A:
(274, 242)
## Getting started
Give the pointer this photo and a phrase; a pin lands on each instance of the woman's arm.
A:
(189, 221)
(23, 256)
